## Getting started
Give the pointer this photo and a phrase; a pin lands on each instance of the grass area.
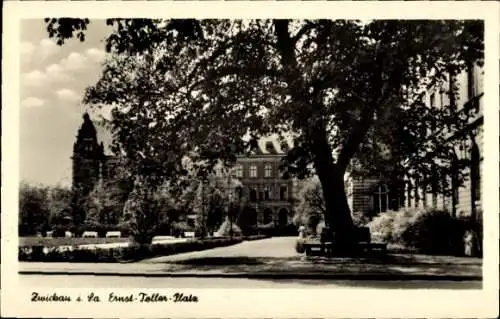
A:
(63, 241)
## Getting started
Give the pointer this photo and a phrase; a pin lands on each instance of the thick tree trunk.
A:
(338, 214)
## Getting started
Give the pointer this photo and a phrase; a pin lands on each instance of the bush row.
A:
(426, 231)
(120, 254)
(271, 230)
(255, 237)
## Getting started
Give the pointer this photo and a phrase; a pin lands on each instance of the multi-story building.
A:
(380, 193)
(269, 196)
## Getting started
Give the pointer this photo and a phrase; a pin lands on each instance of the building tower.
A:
(88, 156)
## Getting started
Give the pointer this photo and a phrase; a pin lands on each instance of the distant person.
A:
(470, 243)
(302, 231)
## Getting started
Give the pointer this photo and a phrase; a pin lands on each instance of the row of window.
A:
(383, 199)
(267, 194)
(469, 87)
(253, 172)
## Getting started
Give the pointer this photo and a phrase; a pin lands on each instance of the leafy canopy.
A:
(204, 91)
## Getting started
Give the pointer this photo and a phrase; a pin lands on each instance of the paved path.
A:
(275, 247)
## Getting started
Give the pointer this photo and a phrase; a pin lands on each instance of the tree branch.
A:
(352, 144)
(285, 44)
(306, 28)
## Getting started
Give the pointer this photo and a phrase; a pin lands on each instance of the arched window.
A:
(253, 195)
(475, 172)
(381, 198)
(283, 217)
(283, 191)
(268, 216)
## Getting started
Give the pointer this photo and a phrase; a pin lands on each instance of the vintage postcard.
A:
(242, 159)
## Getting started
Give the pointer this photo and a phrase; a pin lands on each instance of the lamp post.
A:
(229, 204)
(229, 214)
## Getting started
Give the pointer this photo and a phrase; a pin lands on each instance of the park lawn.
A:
(63, 241)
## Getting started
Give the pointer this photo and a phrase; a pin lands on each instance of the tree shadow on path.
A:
(388, 268)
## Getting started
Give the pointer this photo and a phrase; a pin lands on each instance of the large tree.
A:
(210, 88)
(33, 208)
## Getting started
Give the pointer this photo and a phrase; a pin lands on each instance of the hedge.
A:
(427, 231)
(119, 254)
(255, 237)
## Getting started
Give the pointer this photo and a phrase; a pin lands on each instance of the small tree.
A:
(105, 203)
(310, 205)
(145, 210)
(59, 203)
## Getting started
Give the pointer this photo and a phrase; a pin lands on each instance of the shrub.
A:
(435, 232)
(299, 246)
(390, 226)
(225, 228)
(359, 219)
(427, 231)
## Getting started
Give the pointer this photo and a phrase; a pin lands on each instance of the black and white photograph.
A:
(173, 154)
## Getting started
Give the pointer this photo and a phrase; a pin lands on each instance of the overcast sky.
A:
(53, 80)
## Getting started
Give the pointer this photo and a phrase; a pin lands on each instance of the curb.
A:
(267, 275)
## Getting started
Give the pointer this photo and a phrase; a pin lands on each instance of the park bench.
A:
(113, 234)
(90, 234)
(189, 234)
(326, 246)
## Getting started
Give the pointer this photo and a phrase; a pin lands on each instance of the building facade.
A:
(269, 195)
(376, 194)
